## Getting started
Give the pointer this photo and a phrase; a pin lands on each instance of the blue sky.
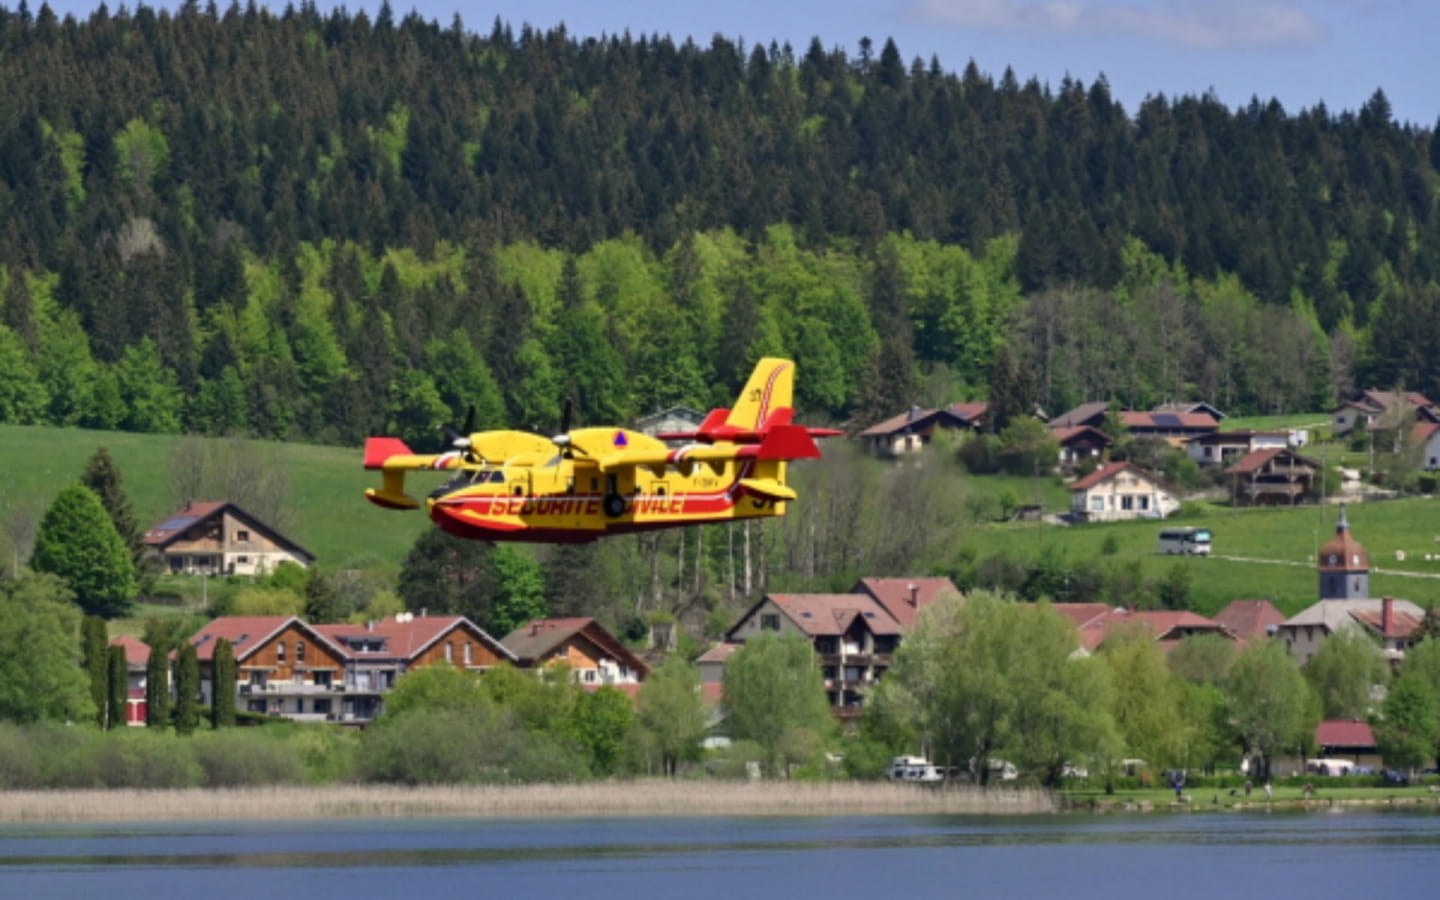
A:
(1299, 51)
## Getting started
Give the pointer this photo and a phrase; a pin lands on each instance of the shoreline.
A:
(593, 800)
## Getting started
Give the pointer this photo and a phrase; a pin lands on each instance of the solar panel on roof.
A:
(1170, 420)
(175, 523)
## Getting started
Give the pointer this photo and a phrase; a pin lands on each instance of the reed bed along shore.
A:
(634, 798)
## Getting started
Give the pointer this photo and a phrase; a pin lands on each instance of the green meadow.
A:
(326, 513)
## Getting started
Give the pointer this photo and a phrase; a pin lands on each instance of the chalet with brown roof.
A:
(1172, 428)
(1372, 409)
(220, 538)
(1079, 443)
(594, 655)
(855, 635)
(1092, 414)
(910, 431)
(1275, 476)
(1425, 439)
(1122, 490)
(338, 672)
(1250, 620)
(1166, 627)
(1190, 406)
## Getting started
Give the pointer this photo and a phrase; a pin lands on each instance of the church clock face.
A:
(1333, 559)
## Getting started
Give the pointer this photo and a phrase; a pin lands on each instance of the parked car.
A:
(1395, 778)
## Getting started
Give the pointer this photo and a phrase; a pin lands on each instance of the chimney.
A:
(369, 624)
(1385, 607)
(914, 413)
(914, 594)
(424, 611)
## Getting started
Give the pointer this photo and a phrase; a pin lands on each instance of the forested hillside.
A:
(315, 225)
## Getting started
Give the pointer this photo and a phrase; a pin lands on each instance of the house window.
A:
(467, 653)
(449, 651)
(1127, 502)
(1144, 502)
(280, 651)
(770, 622)
(242, 559)
(589, 676)
(1097, 504)
(1209, 452)
(322, 679)
(242, 535)
(299, 651)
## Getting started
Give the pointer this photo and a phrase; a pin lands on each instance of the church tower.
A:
(1344, 565)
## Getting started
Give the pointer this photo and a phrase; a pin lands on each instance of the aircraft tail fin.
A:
(770, 387)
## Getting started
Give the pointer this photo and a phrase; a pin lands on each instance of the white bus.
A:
(1189, 541)
(913, 768)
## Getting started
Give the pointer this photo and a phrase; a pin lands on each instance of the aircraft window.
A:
(497, 477)
(518, 490)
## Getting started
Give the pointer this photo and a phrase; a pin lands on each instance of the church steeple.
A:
(1344, 566)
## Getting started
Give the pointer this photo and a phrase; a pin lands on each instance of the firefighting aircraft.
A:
(591, 482)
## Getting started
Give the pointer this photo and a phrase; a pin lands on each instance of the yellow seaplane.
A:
(590, 482)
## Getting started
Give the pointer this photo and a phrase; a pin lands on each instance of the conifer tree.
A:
(187, 689)
(222, 685)
(103, 476)
(157, 688)
(97, 664)
(118, 684)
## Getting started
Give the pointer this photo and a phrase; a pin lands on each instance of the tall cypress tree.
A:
(157, 688)
(187, 689)
(97, 664)
(222, 685)
(119, 687)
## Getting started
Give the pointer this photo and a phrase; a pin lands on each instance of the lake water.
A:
(1217, 856)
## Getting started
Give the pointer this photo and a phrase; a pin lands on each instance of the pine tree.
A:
(97, 664)
(118, 686)
(222, 685)
(103, 476)
(157, 688)
(187, 689)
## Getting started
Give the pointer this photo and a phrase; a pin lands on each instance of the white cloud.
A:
(1202, 24)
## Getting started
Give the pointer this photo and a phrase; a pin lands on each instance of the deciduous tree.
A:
(773, 687)
(1344, 673)
(77, 542)
(1271, 704)
(672, 714)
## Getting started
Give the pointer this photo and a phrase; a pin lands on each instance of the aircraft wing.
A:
(679, 457)
(393, 458)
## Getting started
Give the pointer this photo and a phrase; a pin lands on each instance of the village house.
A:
(1079, 443)
(1172, 428)
(1368, 409)
(910, 431)
(1425, 438)
(1190, 406)
(1250, 620)
(594, 656)
(220, 538)
(337, 673)
(855, 635)
(1122, 490)
(1092, 414)
(1224, 447)
(1272, 477)
(1097, 622)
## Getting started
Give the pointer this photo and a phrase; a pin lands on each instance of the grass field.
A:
(328, 513)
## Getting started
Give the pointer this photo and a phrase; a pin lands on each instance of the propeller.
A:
(562, 440)
(460, 440)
